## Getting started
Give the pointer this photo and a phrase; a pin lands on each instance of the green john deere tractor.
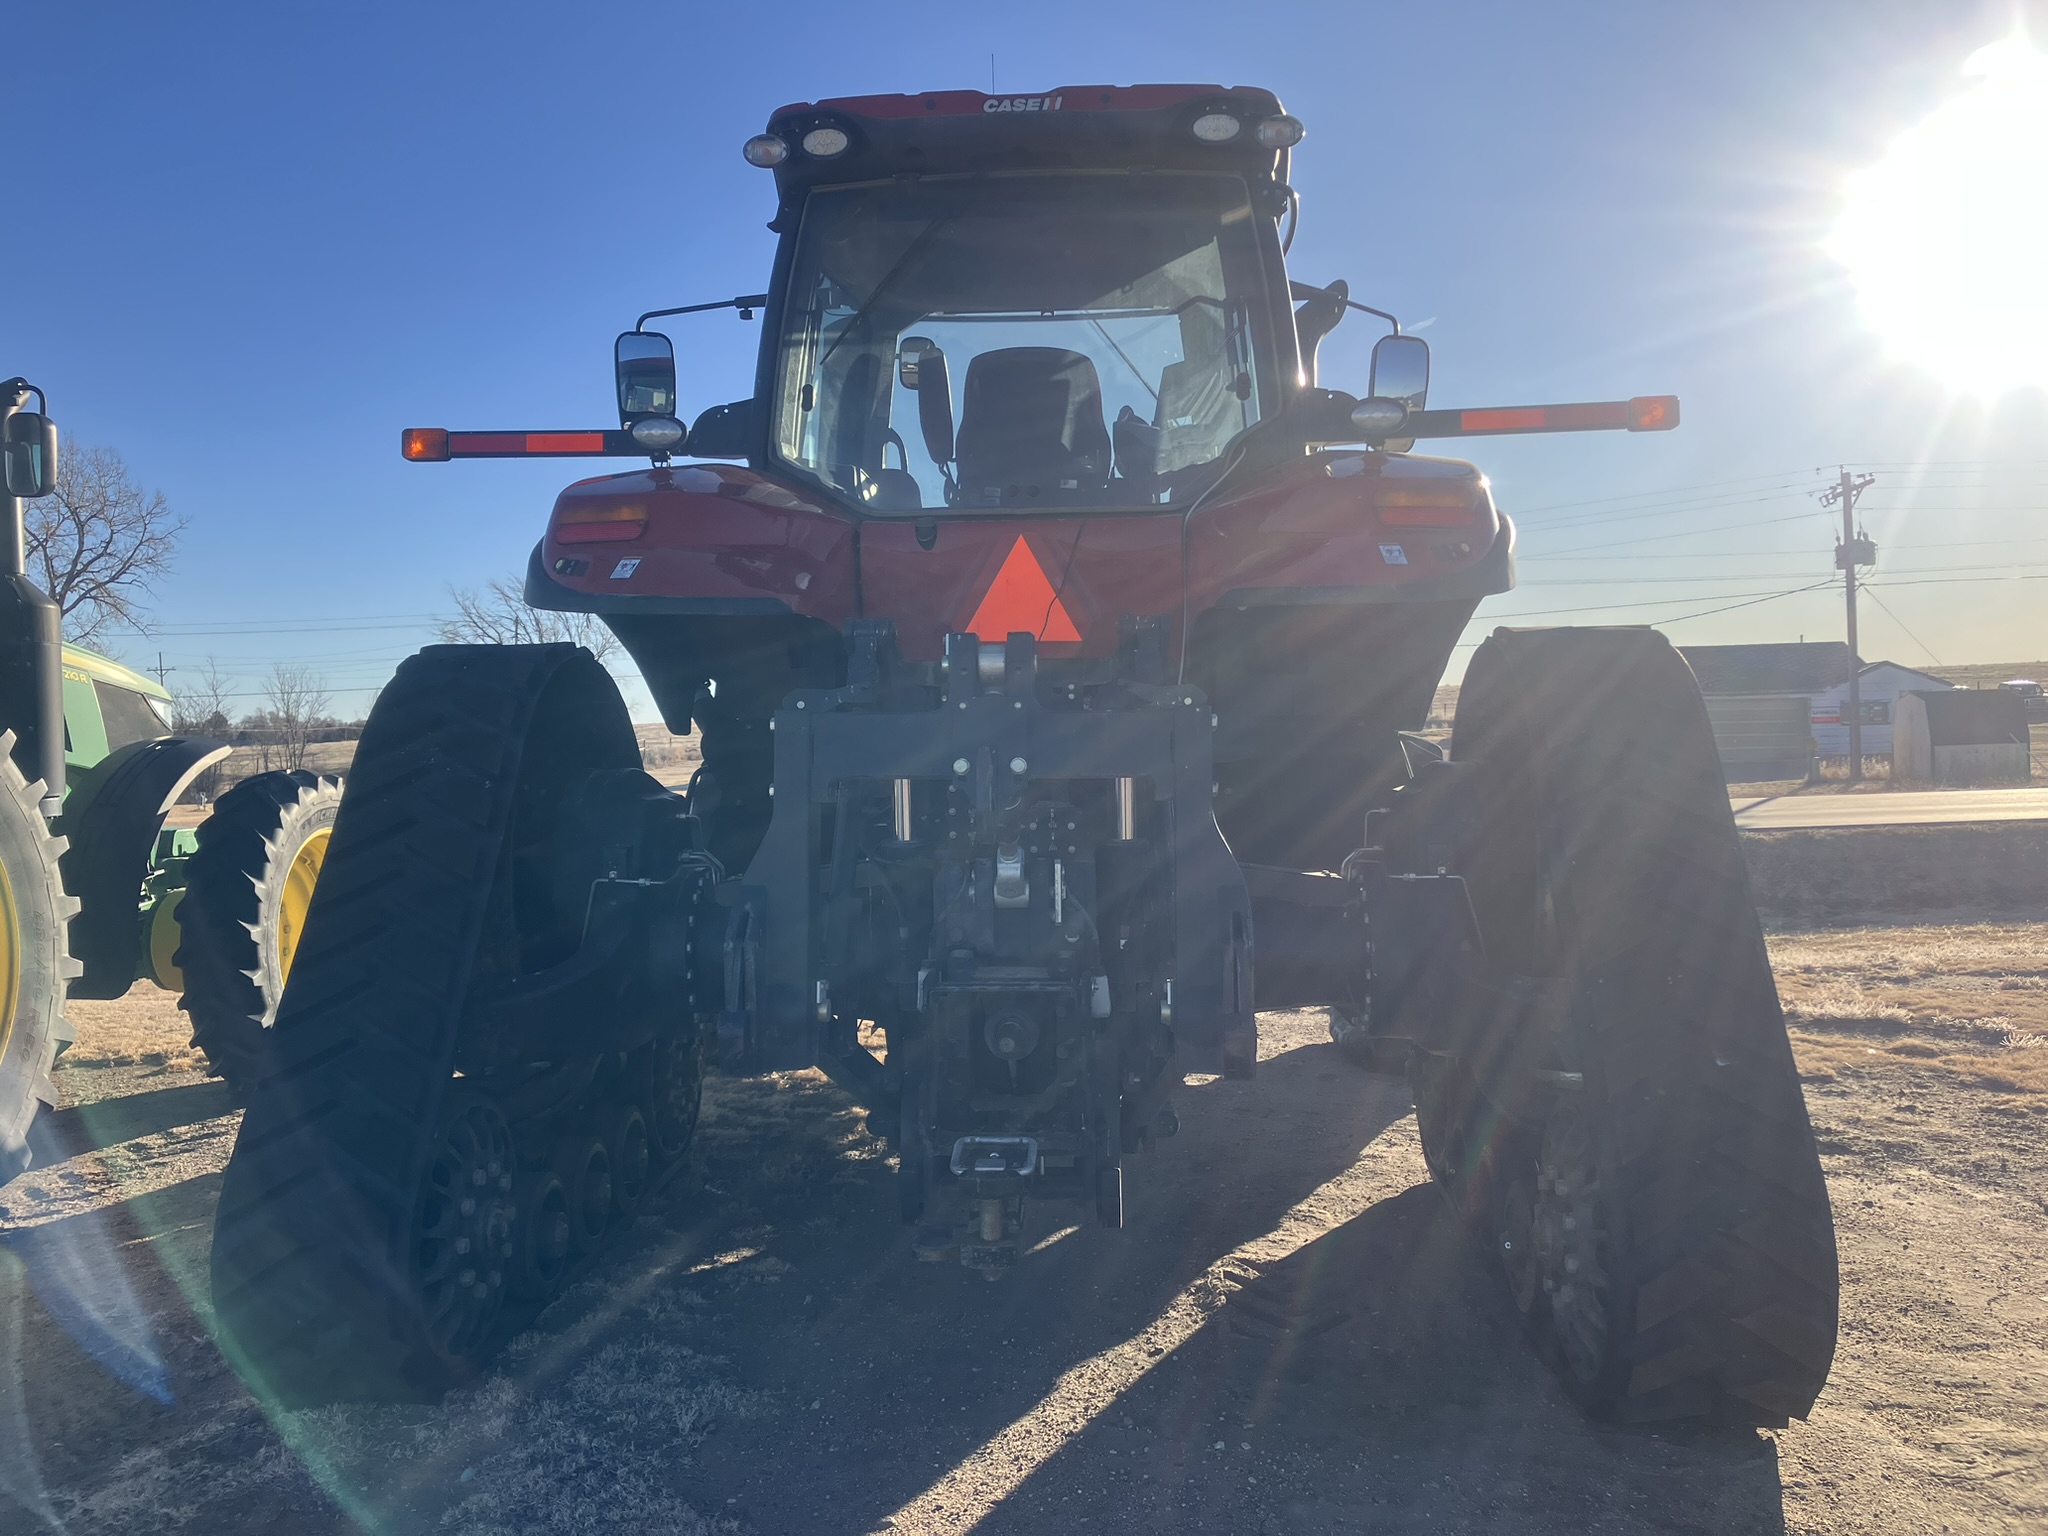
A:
(96, 892)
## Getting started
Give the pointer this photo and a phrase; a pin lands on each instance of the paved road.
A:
(1902, 809)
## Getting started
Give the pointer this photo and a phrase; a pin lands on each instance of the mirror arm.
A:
(1300, 290)
(746, 304)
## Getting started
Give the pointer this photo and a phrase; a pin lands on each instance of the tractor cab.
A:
(1027, 342)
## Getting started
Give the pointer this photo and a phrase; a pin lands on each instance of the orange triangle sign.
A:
(1020, 598)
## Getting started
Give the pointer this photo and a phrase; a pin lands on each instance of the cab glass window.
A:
(1025, 342)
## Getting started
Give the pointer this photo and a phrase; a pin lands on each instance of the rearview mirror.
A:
(646, 365)
(908, 356)
(1400, 370)
(28, 442)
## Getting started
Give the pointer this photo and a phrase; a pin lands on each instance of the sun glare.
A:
(1946, 237)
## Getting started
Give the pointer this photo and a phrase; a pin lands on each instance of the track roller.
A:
(626, 1144)
(541, 1243)
(585, 1169)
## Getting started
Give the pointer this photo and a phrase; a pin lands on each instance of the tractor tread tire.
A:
(311, 1279)
(1599, 739)
(234, 893)
(34, 1024)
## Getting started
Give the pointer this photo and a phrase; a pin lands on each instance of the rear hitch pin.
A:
(1126, 810)
(899, 808)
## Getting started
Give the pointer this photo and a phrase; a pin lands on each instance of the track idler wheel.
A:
(628, 1148)
(541, 1241)
(673, 1099)
(585, 1169)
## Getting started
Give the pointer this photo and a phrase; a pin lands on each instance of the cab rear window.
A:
(127, 714)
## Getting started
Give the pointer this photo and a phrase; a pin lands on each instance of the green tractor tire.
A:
(35, 959)
(247, 890)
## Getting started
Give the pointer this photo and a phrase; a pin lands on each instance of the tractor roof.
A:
(1076, 127)
(107, 670)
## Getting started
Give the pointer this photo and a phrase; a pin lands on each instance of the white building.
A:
(1880, 683)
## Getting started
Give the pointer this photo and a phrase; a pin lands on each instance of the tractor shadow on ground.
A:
(65, 1133)
(1376, 1371)
(1379, 1378)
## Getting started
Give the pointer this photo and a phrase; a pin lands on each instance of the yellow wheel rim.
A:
(10, 960)
(299, 881)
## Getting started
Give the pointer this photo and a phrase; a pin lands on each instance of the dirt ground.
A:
(1290, 1337)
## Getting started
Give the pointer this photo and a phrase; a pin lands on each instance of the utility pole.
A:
(163, 673)
(1854, 550)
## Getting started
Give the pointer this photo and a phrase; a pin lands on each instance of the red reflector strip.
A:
(1547, 418)
(565, 442)
(1521, 419)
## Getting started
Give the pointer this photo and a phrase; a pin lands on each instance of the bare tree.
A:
(201, 705)
(500, 615)
(99, 541)
(298, 703)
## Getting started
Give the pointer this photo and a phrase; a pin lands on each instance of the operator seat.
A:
(1031, 429)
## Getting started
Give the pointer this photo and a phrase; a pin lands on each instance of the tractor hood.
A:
(1346, 528)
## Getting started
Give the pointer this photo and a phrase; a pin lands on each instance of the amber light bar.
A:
(1645, 413)
(435, 445)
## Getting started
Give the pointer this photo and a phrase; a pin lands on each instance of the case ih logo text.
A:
(1021, 104)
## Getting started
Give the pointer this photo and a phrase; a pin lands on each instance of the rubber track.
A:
(309, 1267)
(1601, 738)
(217, 951)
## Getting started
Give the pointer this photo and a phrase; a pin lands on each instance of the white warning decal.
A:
(631, 563)
(1393, 554)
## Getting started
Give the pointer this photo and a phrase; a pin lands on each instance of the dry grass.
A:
(143, 1029)
(1970, 998)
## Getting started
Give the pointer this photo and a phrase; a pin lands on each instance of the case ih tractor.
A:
(1054, 637)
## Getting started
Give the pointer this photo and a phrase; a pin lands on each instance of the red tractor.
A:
(1056, 642)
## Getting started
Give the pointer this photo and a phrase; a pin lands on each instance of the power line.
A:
(1887, 607)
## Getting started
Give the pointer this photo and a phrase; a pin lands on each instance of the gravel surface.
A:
(1290, 1337)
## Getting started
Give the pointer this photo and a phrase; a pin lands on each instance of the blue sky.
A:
(273, 235)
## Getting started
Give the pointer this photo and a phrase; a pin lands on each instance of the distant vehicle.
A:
(2035, 695)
